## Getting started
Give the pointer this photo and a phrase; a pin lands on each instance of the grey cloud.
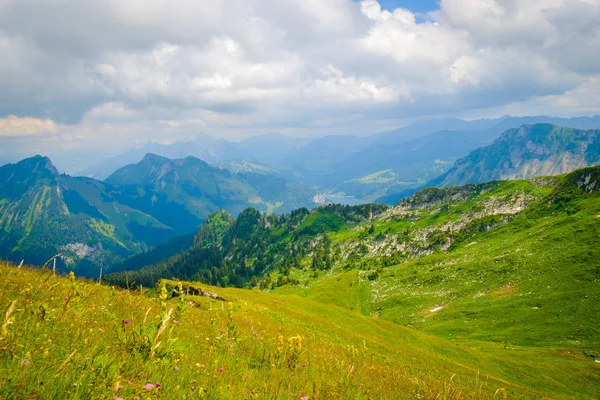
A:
(157, 66)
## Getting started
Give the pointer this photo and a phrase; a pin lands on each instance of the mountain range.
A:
(360, 169)
(93, 223)
(420, 299)
(531, 150)
(101, 223)
(525, 152)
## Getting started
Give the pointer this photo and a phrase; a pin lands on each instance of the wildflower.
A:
(117, 387)
(304, 398)
(157, 384)
(303, 365)
(176, 368)
(148, 386)
(163, 293)
(125, 321)
(221, 369)
(117, 398)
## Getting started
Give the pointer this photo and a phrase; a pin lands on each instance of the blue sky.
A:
(416, 6)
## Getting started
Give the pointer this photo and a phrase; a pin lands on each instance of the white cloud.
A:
(234, 67)
(13, 126)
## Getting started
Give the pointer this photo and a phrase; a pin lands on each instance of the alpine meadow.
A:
(300, 199)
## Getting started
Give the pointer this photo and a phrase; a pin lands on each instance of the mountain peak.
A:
(154, 158)
(37, 164)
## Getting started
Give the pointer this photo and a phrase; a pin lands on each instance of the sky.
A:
(416, 6)
(105, 75)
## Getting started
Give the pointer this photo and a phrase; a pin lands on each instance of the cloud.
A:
(169, 69)
(13, 126)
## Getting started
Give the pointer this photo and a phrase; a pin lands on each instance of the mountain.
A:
(382, 171)
(43, 213)
(427, 127)
(336, 238)
(360, 169)
(269, 149)
(531, 150)
(204, 147)
(94, 224)
(182, 193)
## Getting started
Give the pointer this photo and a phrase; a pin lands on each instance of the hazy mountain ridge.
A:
(414, 154)
(183, 192)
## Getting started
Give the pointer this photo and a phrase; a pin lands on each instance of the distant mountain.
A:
(204, 147)
(426, 127)
(247, 166)
(182, 193)
(381, 172)
(271, 149)
(531, 150)
(363, 168)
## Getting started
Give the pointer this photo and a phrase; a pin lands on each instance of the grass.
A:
(66, 338)
(525, 294)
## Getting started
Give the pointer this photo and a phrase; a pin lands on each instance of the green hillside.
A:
(62, 335)
(509, 269)
(43, 213)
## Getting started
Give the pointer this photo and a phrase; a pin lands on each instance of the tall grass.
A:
(67, 339)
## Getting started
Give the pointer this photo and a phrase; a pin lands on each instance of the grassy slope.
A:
(527, 291)
(69, 337)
